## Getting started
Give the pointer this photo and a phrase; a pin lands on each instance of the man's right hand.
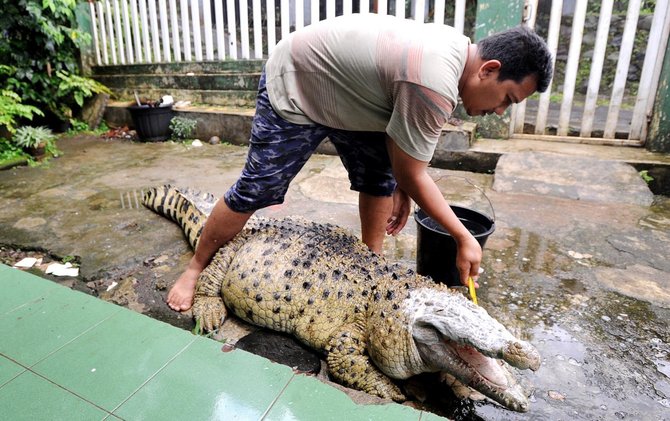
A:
(468, 259)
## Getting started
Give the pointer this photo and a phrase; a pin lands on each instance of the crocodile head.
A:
(452, 335)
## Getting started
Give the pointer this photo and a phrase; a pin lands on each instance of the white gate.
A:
(163, 31)
(619, 116)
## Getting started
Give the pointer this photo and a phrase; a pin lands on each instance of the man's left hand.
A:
(400, 213)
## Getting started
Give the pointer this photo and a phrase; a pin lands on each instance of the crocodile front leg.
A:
(350, 365)
(208, 304)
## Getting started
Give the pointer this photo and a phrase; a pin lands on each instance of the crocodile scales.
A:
(374, 321)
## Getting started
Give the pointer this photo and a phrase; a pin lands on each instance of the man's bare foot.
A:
(180, 297)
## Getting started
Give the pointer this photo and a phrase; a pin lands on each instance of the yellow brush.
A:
(471, 287)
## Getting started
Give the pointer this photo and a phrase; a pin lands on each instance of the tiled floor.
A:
(65, 355)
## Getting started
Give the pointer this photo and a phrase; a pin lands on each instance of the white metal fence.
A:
(636, 122)
(152, 31)
(163, 31)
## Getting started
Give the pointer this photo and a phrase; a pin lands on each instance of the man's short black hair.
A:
(521, 52)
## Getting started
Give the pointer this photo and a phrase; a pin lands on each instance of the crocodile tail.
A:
(170, 202)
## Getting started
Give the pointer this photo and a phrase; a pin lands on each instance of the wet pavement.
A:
(586, 278)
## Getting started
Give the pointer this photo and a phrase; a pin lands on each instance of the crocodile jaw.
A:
(453, 335)
(483, 374)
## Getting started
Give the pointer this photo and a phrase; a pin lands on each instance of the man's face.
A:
(483, 94)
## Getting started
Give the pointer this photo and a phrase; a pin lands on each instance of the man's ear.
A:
(490, 68)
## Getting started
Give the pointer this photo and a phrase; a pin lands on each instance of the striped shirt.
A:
(370, 73)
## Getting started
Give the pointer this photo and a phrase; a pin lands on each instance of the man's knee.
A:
(249, 201)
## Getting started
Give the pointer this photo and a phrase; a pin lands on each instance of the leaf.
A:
(197, 330)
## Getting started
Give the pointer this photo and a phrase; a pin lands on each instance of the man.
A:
(381, 89)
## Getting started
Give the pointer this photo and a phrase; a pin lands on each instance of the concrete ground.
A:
(578, 263)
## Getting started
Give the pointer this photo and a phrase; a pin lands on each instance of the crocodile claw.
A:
(210, 311)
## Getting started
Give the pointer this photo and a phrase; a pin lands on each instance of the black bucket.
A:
(436, 248)
(152, 123)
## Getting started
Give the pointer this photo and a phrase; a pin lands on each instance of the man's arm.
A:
(413, 179)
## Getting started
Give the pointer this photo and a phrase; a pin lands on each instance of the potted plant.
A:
(152, 119)
(182, 128)
(36, 141)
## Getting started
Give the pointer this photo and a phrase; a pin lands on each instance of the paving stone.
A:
(577, 178)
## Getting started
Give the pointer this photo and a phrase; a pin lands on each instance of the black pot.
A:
(152, 123)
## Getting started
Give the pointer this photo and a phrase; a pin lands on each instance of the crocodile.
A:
(373, 321)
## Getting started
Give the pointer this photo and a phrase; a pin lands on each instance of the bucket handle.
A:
(493, 212)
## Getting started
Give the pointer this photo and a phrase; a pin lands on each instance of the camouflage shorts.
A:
(279, 149)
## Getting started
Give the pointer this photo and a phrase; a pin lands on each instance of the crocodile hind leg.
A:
(348, 363)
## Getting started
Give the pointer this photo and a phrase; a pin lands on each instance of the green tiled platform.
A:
(65, 355)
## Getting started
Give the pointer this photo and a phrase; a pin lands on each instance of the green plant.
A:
(102, 128)
(40, 44)
(646, 177)
(35, 137)
(198, 329)
(11, 107)
(182, 127)
(32, 137)
(10, 152)
(77, 126)
(72, 90)
(73, 260)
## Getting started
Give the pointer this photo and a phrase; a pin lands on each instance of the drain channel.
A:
(131, 199)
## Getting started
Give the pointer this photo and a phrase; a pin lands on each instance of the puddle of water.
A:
(663, 367)
(604, 354)
(659, 215)
(573, 286)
